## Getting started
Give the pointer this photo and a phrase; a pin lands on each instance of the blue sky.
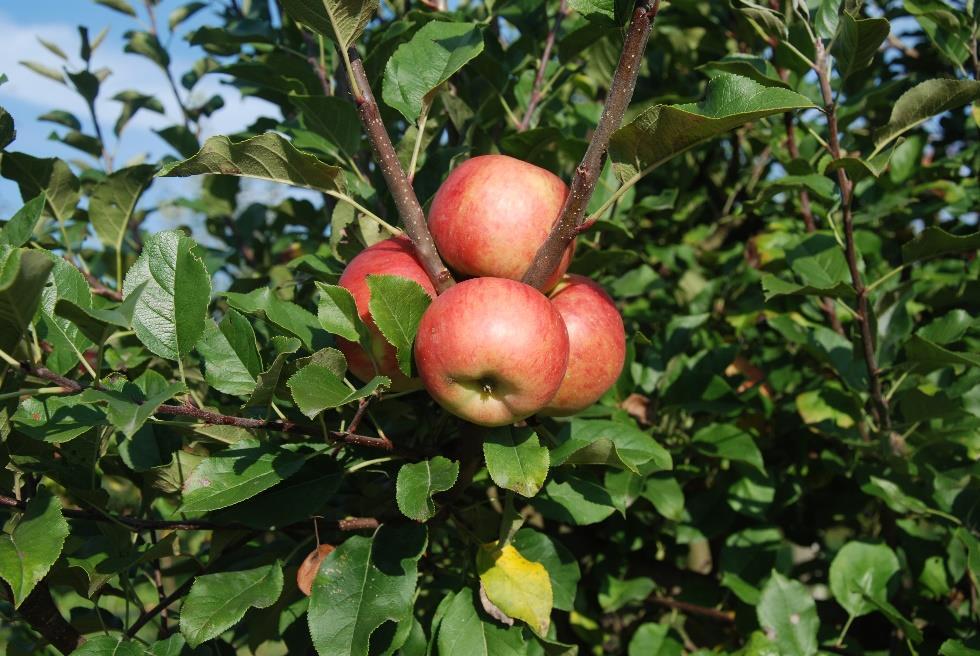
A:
(27, 95)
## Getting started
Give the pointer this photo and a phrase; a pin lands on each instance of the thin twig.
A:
(863, 313)
(726, 616)
(549, 44)
(587, 173)
(313, 57)
(406, 202)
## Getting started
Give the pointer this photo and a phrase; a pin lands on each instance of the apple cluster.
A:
(491, 349)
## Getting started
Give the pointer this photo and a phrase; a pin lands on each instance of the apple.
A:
(492, 213)
(393, 257)
(491, 350)
(596, 344)
(310, 566)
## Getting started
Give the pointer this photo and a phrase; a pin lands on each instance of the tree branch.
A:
(863, 318)
(726, 616)
(549, 44)
(45, 618)
(406, 202)
(587, 173)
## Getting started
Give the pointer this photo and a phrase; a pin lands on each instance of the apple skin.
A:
(310, 566)
(393, 257)
(492, 213)
(596, 344)
(491, 350)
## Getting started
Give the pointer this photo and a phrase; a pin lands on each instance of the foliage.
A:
(787, 221)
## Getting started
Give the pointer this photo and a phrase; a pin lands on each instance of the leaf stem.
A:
(510, 521)
(420, 133)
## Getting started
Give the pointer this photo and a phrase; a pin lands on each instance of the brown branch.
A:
(587, 173)
(726, 616)
(96, 285)
(406, 202)
(549, 44)
(43, 616)
(863, 314)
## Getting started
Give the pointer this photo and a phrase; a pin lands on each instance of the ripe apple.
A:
(492, 214)
(596, 344)
(310, 566)
(393, 257)
(491, 350)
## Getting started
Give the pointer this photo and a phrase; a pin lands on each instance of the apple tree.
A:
(508, 327)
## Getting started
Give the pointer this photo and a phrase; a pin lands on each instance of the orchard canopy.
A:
(489, 327)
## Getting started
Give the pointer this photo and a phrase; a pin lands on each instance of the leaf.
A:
(23, 274)
(46, 71)
(560, 564)
(97, 323)
(575, 500)
(604, 8)
(170, 312)
(316, 388)
(337, 312)
(517, 586)
(113, 202)
(515, 459)
(911, 631)
(364, 583)
(237, 473)
(231, 357)
(183, 12)
(788, 614)
(463, 631)
(819, 267)
(7, 130)
(56, 419)
(666, 495)
(730, 442)
(753, 67)
(217, 602)
(433, 55)
(920, 350)
(147, 45)
(341, 20)
(18, 230)
(102, 558)
(109, 645)
(774, 287)
(603, 442)
(122, 6)
(418, 482)
(267, 382)
(397, 305)
(33, 545)
(651, 639)
(922, 102)
(52, 177)
(265, 157)
(665, 131)
(128, 408)
(618, 593)
(333, 118)
(856, 42)
(935, 241)
(285, 314)
(862, 570)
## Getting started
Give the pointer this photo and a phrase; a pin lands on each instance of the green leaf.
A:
(128, 408)
(333, 118)
(376, 578)
(56, 419)
(561, 565)
(237, 473)
(397, 305)
(575, 500)
(113, 202)
(775, 287)
(922, 102)
(46, 71)
(819, 267)
(147, 45)
(754, 67)
(51, 177)
(122, 6)
(418, 482)
(947, 28)
(341, 20)
(604, 8)
(922, 351)
(109, 645)
(265, 157)
(515, 459)
(231, 357)
(33, 544)
(957, 648)
(217, 602)
(18, 230)
(652, 639)
(947, 329)
(463, 631)
(337, 312)
(103, 558)
(316, 388)
(517, 586)
(666, 495)
(665, 131)
(183, 12)
(861, 570)
(603, 442)
(730, 442)
(617, 593)
(856, 42)
(23, 274)
(267, 382)
(7, 130)
(170, 313)
(285, 314)
(788, 614)
(433, 55)
(97, 323)
(935, 241)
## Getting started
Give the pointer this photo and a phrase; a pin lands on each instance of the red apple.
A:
(492, 214)
(311, 565)
(596, 344)
(392, 257)
(491, 350)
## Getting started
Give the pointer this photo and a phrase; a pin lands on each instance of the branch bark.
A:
(569, 223)
(880, 404)
(549, 44)
(726, 616)
(43, 616)
(406, 202)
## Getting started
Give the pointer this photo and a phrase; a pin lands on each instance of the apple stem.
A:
(587, 173)
(406, 202)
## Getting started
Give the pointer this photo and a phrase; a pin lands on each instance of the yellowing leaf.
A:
(517, 586)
